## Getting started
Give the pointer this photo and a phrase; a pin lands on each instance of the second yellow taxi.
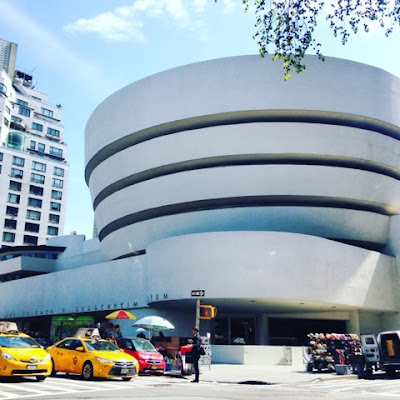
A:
(87, 355)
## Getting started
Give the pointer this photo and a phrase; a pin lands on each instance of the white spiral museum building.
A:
(280, 200)
(275, 197)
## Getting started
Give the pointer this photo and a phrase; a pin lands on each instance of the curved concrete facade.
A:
(275, 270)
(228, 142)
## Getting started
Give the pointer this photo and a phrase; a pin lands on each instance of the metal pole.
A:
(198, 313)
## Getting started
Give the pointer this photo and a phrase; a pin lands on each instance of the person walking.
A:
(196, 344)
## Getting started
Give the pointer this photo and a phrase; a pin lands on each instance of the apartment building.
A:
(33, 166)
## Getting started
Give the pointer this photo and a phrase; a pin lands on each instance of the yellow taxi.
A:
(21, 355)
(87, 355)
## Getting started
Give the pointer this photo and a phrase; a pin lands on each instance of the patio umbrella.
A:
(154, 323)
(120, 314)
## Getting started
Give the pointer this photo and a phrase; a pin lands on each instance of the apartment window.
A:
(47, 113)
(20, 162)
(36, 190)
(12, 211)
(54, 218)
(52, 230)
(17, 173)
(57, 183)
(15, 186)
(8, 110)
(53, 132)
(31, 227)
(8, 237)
(15, 118)
(22, 103)
(3, 88)
(10, 224)
(28, 239)
(30, 214)
(1, 156)
(55, 194)
(41, 147)
(37, 178)
(32, 145)
(55, 206)
(54, 151)
(14, 198)
(34, 202)
(58, 171)
(37, 127)
(24, 111)
(37, 166)
(6, 122)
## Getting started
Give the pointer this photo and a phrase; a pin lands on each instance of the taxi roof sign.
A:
(88, 333)
(8, 327)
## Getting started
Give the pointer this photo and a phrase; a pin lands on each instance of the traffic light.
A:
(207, 312)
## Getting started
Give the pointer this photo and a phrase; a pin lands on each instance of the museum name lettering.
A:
(87, 308)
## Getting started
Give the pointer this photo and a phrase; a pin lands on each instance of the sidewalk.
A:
(260, 374)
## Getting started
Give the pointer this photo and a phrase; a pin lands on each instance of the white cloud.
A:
(200, 5)
(113, 26)
(127, 22)
(230, 6)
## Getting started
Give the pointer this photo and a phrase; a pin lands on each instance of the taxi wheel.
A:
(53, 370)
(126, 379)
(87, 371)
(40, 378)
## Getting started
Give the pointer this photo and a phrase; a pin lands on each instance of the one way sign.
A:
(198, 293)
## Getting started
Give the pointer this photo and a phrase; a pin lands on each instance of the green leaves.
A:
(286, 28)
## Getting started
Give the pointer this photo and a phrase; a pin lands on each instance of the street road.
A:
(164, 387)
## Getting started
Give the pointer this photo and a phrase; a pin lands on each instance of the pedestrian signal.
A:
(207, 312)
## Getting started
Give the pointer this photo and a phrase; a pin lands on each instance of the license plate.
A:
(31, 367)
(124, 371)
(153, 367)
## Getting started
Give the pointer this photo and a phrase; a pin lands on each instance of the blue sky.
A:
(81, 52)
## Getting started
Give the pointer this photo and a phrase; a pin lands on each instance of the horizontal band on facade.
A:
(246, 201)
(241, 117)
(246, 159)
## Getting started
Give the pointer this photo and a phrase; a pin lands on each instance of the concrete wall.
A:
(257, 355)
(270, 266)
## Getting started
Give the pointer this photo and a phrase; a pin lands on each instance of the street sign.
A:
(198, 293)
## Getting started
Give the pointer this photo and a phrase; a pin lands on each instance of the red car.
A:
(149, 359)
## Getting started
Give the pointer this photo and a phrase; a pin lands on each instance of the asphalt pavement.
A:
(260, 374)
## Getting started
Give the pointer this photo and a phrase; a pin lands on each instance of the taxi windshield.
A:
(18, 341)
(100, 345)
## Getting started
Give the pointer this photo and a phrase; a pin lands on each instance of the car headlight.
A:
(105, 361)
(7, 356)
(47, 356)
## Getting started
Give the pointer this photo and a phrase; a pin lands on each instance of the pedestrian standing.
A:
(112, 340)
(196, 344)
